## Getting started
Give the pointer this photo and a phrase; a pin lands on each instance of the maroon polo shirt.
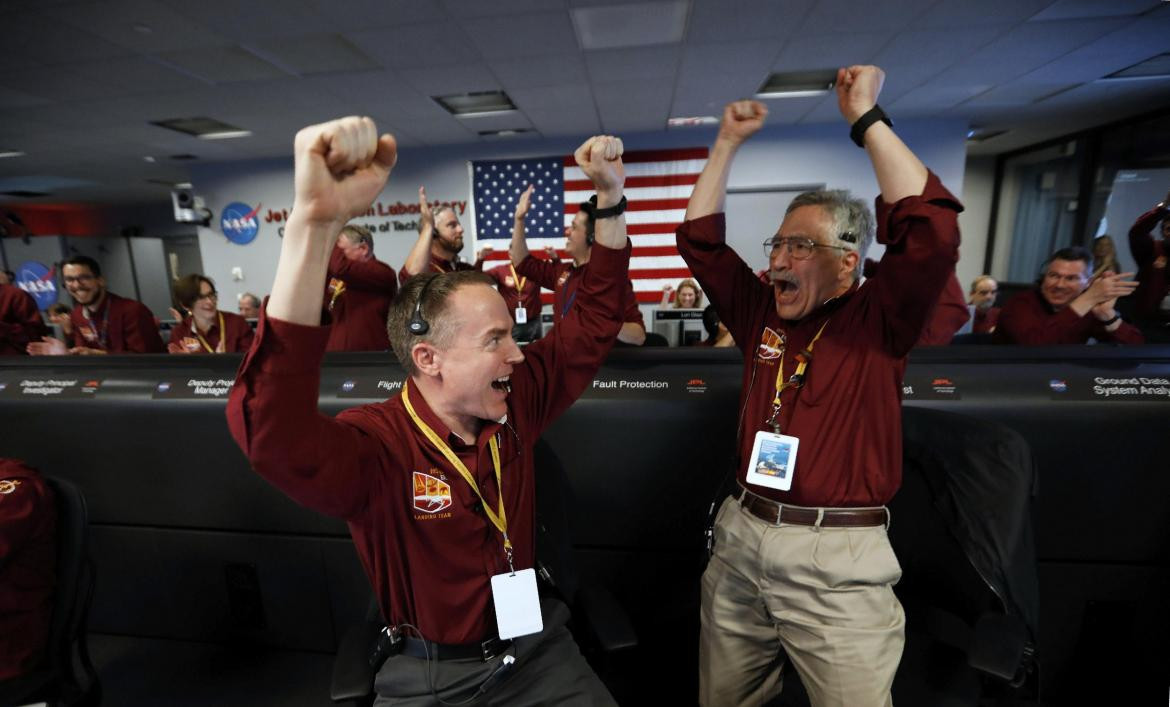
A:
(985, 320)
(239, 335)
(428, 551)
(527, 296)
(20, 321)
(848, 413)
(949, 315)
(359, 312)
(563, 278)
(119, 326)
(1027, 319)
(1152, 254)
(28, 566)
(440, 265)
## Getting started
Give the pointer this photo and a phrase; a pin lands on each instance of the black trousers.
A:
(549, 670)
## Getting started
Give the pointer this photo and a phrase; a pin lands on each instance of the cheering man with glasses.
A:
(802, 567)
(1068, 308)
(102, 321)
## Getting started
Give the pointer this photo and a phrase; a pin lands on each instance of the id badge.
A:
(521, 315)
(517, 603)
(773, 461)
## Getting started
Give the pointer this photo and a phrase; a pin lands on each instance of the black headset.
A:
(419, 326)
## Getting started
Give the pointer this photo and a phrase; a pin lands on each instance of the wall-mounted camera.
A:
(188, 207)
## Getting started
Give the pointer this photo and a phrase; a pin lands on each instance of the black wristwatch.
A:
(610, 211)
(1109, 323)
(871, 116)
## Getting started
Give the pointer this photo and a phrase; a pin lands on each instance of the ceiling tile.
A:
(834, 16)
(411, 46)
(719, 20)
(222, 64)
(634, 63)
(629, 106)
(139, 25)
(445, 80)
(1084, 9)
(314, 54)
(524, 35)
(551, 70)
(479, 8)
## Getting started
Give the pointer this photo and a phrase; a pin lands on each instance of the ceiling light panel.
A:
(636, 25)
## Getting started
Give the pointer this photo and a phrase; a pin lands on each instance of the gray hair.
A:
(436, 211)
(853, 222)
(358, 235)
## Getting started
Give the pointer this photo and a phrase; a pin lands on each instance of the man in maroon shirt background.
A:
(521, 293)
(1152, 298)
(359, 293)
(28, 566)
(807, 573)
(1068, 307)
(984, 290)
(20, 321)
(440, 240)
(103, 322)
(564, 278)
(437, 483)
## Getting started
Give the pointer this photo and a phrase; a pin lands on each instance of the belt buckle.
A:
(491, 648)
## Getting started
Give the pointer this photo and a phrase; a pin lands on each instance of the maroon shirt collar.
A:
(425, 413)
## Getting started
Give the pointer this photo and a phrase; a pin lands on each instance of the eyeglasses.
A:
(74, 279)
(799, 247)
(208, 295)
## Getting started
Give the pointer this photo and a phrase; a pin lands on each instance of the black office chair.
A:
(653, 339)
(962, 532)
(599, 624)
(66, 675)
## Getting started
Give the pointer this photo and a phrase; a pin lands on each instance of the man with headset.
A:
(440, 240)
(437, 483)
(564, 278)
(802, 568)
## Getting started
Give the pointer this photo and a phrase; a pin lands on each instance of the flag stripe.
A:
(647, 169)
(640, 205)
(665, 180)
(637, 194)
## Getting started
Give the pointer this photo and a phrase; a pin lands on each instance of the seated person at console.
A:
(436, 483)
(206, 329)
(102, 321)
(1068, 307)
(982, 298)
(686, 296)
(28, 567)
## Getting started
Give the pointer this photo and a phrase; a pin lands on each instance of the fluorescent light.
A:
(225, 135)
(641, 24)
(11, 153)
(798, 84)
(691, 121)
(477, 103)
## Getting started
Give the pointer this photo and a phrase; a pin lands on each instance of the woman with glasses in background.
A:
(207, 329)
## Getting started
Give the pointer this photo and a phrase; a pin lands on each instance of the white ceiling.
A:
(79, 80)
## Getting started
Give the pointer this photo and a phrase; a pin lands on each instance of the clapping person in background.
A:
(206, 328)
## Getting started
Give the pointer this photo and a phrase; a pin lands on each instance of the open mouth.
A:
(503, 383)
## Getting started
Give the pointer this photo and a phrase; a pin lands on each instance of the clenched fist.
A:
(340, 166)
(741, 120)
(600, 157)
(857, 90)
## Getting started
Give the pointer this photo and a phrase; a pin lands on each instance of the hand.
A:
(667, 289)
(1105, 290)
(523, 203)
(600, 157)
(484, 252)
(551, 252)
(340, 166)
(59, 319)
(175, 314)
(425, 218)
(857, 90)
(741, 120)
(174, 348)
(47, 346)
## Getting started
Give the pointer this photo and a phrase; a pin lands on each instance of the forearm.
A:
(420, 254)
(518, 250)
(610, 232)
(632, 333)
(711, 188)
(298, 291)
(899, 171)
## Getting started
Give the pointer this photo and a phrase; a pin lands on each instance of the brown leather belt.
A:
(776, 513)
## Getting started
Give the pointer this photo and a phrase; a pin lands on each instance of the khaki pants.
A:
(821, 597)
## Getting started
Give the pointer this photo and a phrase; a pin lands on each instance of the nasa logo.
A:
(39, 281)
(239, 223)
(347, 386)
(163, 387)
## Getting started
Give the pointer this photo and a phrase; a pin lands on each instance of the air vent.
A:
(796, 84)
(205, 128)
(466, 105)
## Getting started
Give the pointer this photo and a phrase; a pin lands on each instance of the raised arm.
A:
(899, 172)
(518, 250)
(741, 119)
(420, 253)
(601, 159)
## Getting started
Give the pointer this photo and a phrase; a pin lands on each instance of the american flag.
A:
(658, 185)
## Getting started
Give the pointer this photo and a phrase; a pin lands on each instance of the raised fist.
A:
(340, 166)
(600, 157)
(857, 90)
(741, 120)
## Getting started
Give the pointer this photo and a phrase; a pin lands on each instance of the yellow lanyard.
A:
(500, 520)
(222, 336)
(338, 287)
(519, 280)
(796, 380)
